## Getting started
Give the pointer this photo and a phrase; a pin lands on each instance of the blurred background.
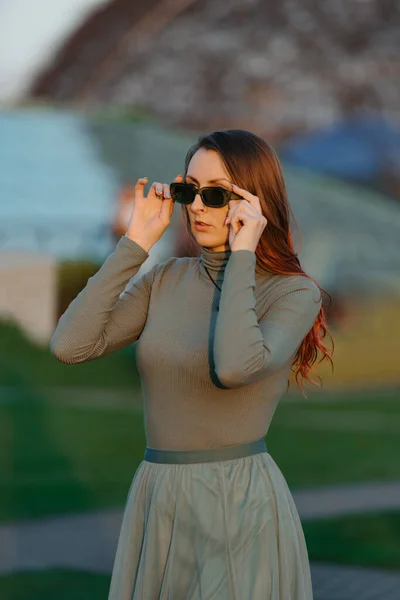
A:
(95, 94)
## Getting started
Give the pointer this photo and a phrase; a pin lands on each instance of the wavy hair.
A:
(253, 165)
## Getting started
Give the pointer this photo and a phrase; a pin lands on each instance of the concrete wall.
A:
(28, 292)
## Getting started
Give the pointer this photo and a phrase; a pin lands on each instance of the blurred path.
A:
(334, 582)
(339, 500)
(89, 542)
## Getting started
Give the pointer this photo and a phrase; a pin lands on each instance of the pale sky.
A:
(30, 32)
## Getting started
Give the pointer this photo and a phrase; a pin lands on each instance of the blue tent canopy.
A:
(55, 191)
(360, 147)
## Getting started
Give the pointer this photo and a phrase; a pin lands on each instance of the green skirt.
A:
(217, 524)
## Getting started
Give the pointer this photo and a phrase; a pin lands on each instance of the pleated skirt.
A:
(218, 524)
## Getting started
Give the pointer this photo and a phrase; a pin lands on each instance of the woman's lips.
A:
(201, 226)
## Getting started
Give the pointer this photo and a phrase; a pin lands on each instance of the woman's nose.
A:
(198, 201)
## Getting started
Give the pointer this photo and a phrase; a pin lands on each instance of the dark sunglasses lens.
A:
(213, 197)
(182, 193)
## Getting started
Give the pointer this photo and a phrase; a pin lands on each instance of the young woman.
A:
(209, 514)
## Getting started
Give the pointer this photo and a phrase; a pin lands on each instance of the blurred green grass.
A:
(367, 540)
(57, 458)
(337, 439)
(72, 437)
(24, 364)
(62, 584)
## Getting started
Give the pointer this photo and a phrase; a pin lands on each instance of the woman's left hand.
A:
(246, 221)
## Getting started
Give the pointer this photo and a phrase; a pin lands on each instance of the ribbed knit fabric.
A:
(211, 377)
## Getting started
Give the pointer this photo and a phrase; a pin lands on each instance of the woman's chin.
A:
(208, 241)
(201, 234)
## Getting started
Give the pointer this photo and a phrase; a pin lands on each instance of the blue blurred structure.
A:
(362, 147)
(56, 193)
(61, 173)
(349, 234)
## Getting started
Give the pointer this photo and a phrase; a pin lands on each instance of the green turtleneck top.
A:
(213, 364)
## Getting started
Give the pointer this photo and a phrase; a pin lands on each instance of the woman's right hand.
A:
(151, 215)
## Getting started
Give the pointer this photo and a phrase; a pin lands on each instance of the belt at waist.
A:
(206, 455)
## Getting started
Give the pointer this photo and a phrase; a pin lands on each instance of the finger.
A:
(229, 215)
(166, 191)
(178, 178)
(159, 188)
(238, 221)
(233, 210)
(230, 218)
(167, 207)
(246, 195)
(139, 187)
(243, 207)
(156, 190)
(241, 211)
(236, 224)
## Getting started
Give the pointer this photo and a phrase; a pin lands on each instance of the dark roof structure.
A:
(272, 67)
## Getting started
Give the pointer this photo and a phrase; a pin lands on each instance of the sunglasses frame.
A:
(227, 194)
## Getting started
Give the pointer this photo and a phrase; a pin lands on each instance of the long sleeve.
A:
(101, 320)
(245, 349)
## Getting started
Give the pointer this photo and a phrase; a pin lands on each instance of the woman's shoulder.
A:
(273, 287)
(173, 266)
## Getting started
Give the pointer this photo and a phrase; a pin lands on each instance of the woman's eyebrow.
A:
(194, 178)
(210, 181)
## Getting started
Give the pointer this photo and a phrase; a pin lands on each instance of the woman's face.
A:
(207, 169)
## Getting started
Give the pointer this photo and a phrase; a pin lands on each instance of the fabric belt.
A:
(206, 455)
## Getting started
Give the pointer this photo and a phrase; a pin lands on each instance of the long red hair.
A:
(254, 166)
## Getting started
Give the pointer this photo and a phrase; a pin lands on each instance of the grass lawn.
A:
(25, 365)
(367, 540)
(56, 458)
(60, 584)
(337, 439)
(74, 449)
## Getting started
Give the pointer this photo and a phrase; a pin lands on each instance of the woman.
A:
(209, 514)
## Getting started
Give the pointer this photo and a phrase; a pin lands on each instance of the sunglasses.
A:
(214, 197)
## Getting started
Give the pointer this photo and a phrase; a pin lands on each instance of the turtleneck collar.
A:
(214, 261)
